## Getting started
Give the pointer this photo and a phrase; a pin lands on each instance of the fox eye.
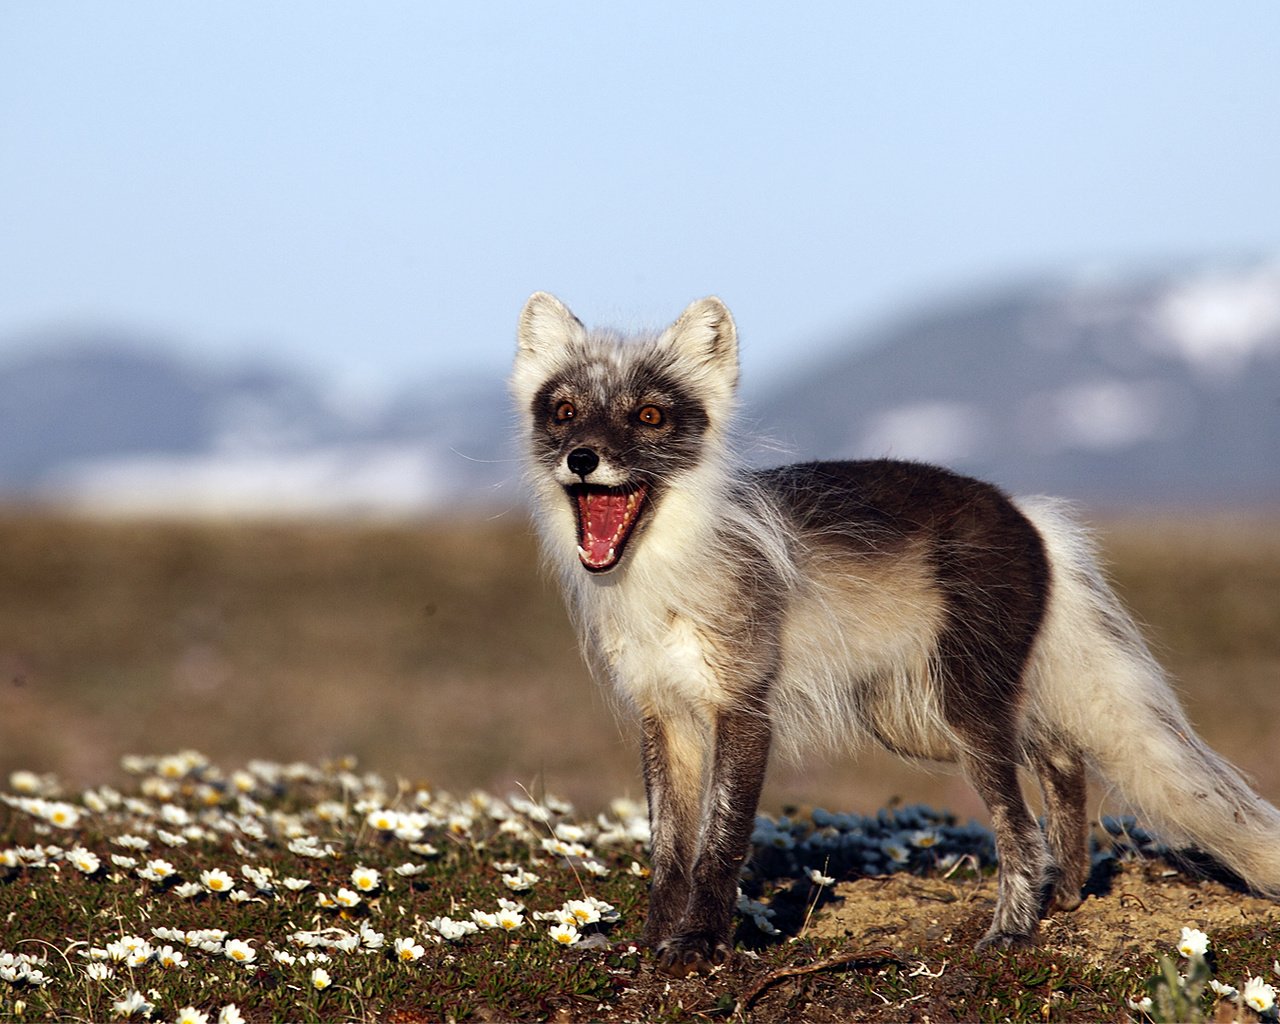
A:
(566, 411)
(650, 416)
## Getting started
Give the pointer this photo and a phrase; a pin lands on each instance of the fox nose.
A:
(582, 461)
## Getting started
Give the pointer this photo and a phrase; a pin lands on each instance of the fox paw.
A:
(693, 952)
(1006, 940)
(1065, 901)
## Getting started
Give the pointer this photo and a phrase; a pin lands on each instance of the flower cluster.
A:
(344, 864)
(1178, 994)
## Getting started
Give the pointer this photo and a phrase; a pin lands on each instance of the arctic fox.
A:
(821, 603)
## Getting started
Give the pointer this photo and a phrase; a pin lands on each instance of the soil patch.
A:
(1143, 911)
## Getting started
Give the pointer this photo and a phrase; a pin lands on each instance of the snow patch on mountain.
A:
(361, 480)
(1218, 321)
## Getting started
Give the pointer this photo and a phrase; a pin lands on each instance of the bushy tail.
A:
(1093, 679)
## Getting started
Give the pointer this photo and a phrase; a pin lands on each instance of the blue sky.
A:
(372, 190)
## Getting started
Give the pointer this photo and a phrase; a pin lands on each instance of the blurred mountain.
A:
(1119, 393)
(1163, 390)
(109, 425)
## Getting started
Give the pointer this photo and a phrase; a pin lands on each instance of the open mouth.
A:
(606, 518)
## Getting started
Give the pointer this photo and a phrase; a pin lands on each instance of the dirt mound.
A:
(1143, 911)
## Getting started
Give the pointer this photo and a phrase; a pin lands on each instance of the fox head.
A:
(614, 423)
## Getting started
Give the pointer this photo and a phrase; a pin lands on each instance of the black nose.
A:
(582, 461)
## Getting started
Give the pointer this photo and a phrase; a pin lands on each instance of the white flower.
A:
(130, 1005)
(579, 912)
(187, 890)
(565, 934)
(172, 814)
(155, 870)
(383, 820)
(240, 952)
(408, 870)
(560, 848)
(520, 880)
(1258, 994)
(131, 842)
(1193, 942)
(349, 943)
(98, 971)
(62, 815)
(97, 800)
(818, 878)
(1221, 990)
(896, 852)
(167, 956)
(346, 898)
(230, 1014)
(484, 920)
(1142, 1005)
(309, 846)
(25, 782)
(509, 920)
(131, 949)
(190, 1015)
(451, 929)
(208, 939)
(84, 860)
(260, 878)
(408, 951)
(320, 979)
(365, 879)
(217, 880)
(295, 884)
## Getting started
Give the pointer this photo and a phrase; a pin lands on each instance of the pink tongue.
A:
(605, 519)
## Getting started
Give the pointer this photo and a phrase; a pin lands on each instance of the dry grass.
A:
(438, 652)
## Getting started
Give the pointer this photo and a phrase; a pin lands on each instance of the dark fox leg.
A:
(739, 759)
(1019, 846)
(982, 700)
(1062, 777)
(673, 751)
(995, 575)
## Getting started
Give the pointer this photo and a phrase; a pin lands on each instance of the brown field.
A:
(435, 651)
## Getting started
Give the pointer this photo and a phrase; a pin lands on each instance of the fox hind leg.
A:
(1063, 781)
(982, 699)
(1019, 845)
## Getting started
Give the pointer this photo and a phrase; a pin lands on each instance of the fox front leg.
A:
(740, 755)
(673, 759)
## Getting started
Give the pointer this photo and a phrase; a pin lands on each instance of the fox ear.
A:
(706, 341)
(545, 325)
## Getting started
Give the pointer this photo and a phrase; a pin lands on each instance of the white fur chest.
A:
(656, 655)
